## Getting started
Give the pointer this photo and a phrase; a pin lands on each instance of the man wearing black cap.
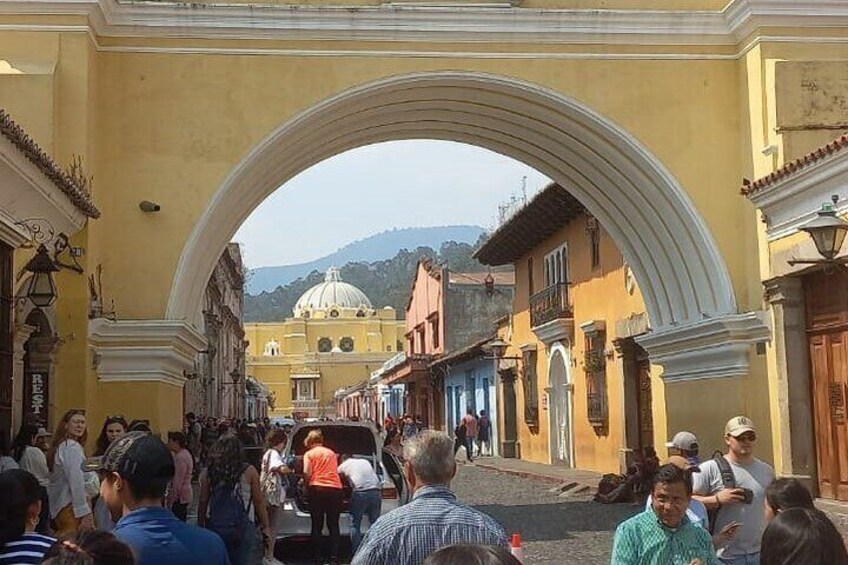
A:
(134, 474)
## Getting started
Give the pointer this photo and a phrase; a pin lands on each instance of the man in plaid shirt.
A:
(663, 534)
(434, 518)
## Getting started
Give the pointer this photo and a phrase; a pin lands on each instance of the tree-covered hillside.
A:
(387, 283)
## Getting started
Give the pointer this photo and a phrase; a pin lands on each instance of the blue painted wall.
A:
(472, 385)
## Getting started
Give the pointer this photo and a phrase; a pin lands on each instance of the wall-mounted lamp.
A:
(42, 289)
(489, 282)
(828, 233)
(149, 207)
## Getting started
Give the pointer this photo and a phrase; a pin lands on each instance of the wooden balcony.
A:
(551, 315)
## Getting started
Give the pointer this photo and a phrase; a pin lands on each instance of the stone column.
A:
(142, 365)
(795, 404)
(22, 333)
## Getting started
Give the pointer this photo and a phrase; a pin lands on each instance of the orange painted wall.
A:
(596, 294)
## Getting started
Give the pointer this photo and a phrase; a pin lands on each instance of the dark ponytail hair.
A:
(783, 494)
(90, 548)
(19, 491)
(802, 536)
(23, 440)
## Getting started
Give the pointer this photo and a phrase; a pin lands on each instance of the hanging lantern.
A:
(827, 231)
(42, 289)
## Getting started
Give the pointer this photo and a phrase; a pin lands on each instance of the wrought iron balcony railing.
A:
(550, 304)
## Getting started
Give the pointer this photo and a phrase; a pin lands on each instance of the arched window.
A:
(325, 345)
(346, 344)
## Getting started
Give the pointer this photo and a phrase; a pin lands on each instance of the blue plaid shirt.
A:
(432, 520)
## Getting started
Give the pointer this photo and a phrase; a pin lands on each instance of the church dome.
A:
(333, 297)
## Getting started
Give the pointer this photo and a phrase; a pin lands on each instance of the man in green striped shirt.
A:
(663, 535)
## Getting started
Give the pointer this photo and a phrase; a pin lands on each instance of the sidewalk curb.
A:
(523, 474)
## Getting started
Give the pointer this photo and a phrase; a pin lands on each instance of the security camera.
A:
(149, 206)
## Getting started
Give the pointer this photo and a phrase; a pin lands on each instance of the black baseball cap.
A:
(136, 456)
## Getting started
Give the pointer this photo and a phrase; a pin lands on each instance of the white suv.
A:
(359, 439)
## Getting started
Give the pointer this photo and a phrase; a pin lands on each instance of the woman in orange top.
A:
(320, 465)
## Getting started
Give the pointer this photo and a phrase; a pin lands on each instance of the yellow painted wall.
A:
(596, 294)
(170, 126)
(375, 340)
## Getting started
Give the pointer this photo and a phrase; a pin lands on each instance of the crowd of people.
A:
(727, 510)
(128, 503)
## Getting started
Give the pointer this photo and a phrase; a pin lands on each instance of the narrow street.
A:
(551, 527)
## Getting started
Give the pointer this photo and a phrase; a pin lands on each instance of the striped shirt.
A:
(432, 520)
(28, 549)
(643, 540)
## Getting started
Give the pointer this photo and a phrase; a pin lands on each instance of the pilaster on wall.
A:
(794, 455)
(22, 333)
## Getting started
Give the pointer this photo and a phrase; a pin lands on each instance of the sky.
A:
(375, 188)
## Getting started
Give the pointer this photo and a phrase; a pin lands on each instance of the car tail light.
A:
(389, 493)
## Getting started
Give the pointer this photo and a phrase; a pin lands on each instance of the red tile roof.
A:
(25, 144)
(749, 188)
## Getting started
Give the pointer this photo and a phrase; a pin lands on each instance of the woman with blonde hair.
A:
(69, 506)
(321, 468)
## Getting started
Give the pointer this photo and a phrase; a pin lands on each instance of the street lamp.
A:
(828, 232)
(42, 289)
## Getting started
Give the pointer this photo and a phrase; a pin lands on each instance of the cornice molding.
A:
(713, 348)
(144, 350)
(442, 22)
(26, 194)
(794, 200)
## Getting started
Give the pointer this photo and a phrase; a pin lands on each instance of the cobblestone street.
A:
(551, 527)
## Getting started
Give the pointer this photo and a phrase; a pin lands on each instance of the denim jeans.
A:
(363, 503)
(750, 559)
(469, 448)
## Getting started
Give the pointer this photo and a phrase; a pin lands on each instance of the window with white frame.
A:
(556, 266)
(305, 389)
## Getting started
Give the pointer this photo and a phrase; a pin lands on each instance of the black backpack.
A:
(728, 480)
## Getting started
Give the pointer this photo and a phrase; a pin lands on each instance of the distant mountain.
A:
(386, 282)
(378, 247)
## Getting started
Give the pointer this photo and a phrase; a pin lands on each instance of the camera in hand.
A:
(749, 495)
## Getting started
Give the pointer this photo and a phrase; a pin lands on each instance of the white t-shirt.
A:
(274, 461)
(360, 473)
(34, 461)
(755, 476)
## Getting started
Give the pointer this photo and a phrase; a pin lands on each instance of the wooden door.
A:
(6, 305)
(827, 325)
(645, 404)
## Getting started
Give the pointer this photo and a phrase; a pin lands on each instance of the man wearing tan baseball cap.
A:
(733, 485)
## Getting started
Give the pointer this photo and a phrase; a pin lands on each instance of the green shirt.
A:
(643, 540)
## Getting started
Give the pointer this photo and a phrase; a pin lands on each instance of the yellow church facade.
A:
(650, 112)
(334, 340)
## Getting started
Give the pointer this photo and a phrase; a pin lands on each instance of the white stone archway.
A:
(697, 331)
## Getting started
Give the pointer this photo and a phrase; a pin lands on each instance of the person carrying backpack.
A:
(231, 503)
(732, 487)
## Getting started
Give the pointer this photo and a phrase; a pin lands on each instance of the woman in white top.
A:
(33, 460)
(69, 505)
(273, 465)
